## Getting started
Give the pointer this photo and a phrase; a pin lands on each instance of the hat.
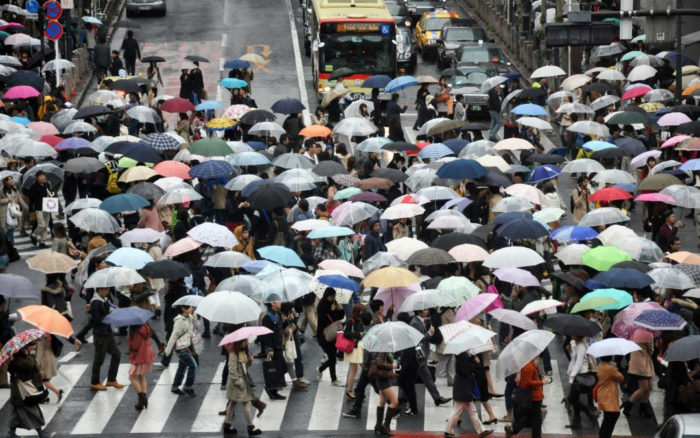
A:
(429, 98)
(329, 146)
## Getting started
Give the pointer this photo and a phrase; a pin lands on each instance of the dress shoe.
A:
(409, 413)
(491, 421)
(298, 386)
(506, 419)
(60, 395)
(206, 334)
(228, 430)
(352, 413)
(177, 391)
(252, 431)
(115, 385)
(98, 387)
(277, 396)
(190, 392)
(442, 401)
(485, 433)
(449, 435)
(509, 431)
(496, 395)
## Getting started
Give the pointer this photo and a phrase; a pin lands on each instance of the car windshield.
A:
(436, 23)
(480, 54)
(474, 77)
(372, 54)
(464, 34)
(397, 9)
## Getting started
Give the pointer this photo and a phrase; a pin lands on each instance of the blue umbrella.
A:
(92, 20)
(339, 281)
(435, 150)
(127, 316)
(673, 57)
(73, 143)
(212, 169)
(529, 109)
(256, 145)
(250, 159)
(139, 152)
(597, 145)
(376, 81)
(624, 278)
(558, 151)
(456, 144)
(400, 83)
(571, 233)
(253, 186)
(236, 64)
(544, 173)
(288, 105)
(660, 320)
(593, 285)
(255, 266)
(462, 169)
(159, 141)
(282, 255)
(130, 257)
(208, 105)
(504, 218)
(123, 202)
(233, 83)
(626, 187)
(623, 298)
(522, 229)
(691, 165)
(21, 120)
(331, 231)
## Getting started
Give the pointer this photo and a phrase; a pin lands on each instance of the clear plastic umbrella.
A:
(639, 248)
(114, 277)
(63, 118)
(459, 288)
(669, 278)
(381, 259)
(685, 196)
(78, 126)
(31, 148)
(82, 203)
(522, 350)
(514, 318)
(583, 165)
(572, 254)
(299, 180)
(466, 340)
(426, 299)
(238, 183)
(614, 232)
(604, 102)
(580, 108)
(354, 127)
(603, 216)
(350, 213)
(614, 176)
(246, 284)
(292, 161)
(143, 114)
(421, 179)
(590, 128)
(437, 193)
(266, 129)
(179, 196)
(391, 337)
(477, 149)
(286, 285)
(612, 347)
(513, 203)
(94, 220)
(228, 307)
(353, 110)
(400, 211)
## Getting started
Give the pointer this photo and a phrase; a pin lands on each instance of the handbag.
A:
(273, 374)
(11, 220)
(522, 401)
(331, 332)
(49, 205)
(587, 380)
(290, 350)
(476, 393)
(30, 393)
(14, 209)
(344, 344)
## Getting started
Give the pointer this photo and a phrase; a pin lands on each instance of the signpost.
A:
(54, 31)
(53, 10)
(32, 6)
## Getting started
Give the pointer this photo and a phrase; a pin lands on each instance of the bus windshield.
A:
(363, 53)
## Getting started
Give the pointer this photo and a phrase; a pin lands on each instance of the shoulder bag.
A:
(331, 332)
(32, 394)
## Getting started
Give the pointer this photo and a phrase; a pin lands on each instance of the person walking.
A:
(100, 306)
(579, 199)
(329, 311)
(354, 330)
(582, 379)
(494, 105)
(609, 378)
(530, 380)
(25, 379)
(181, 341)
(154, 78)
(37, 192)
(141, 358)
(382, 370)
(640, 368)
(393, 118)
(238, 389)
(102, 58)
(130, 48)
(464, 393)
(418, 322)
(272, 343)
(11, 207)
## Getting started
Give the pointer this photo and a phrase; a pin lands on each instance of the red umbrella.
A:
(421, 145)
(53, 140)
(177, 105)
(172, 168)
(609, 194)
(635, 92)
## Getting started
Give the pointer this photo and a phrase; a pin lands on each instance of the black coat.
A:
(131, 48)
(102, 55)
(463, 389)
(272, 341)
(37, 192)
(99, 310)
(326, 316)
(373, 244)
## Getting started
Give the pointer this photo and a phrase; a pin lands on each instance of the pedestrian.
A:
(185, 84)
(141, 358)
(130, 48)
(354, 330)
(582, 378)
(26, 392)
(373, 243)
(319, 117)
(272, 343)
(154, 78)
(53, 294)
(180, 341)
(445, 106)
(426, 111)
(393, 118)
(100, 307)
(641, 369)
(667, 230)
(196, 80)
(238, 388)
(382, 370)
(115, 65)
(420, 322)
(329, 312)
(290, 351)
(460, 108)
(531, 381)
(494, 106)
(608, 392)
(102, 58)
(464, 393)
(579, 199)
(38, 191)
(11, 207)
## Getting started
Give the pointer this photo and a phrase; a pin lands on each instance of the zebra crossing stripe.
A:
(435, 417)
(208, 419)
(102, 406)
(153, 419)
(328, 402)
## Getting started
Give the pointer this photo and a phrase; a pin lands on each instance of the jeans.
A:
(298, 362)
(608, 424)
(10, 233)
(508, 393)
(496, 123)
(186, 362)
(532, 420)
(105, 344)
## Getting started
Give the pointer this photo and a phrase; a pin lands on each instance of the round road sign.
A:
(53, 30)
(53, 10)
(32, 6)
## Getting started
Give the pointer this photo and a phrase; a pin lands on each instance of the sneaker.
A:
(304, 381)
(319, 373)
(338, 383)
(506, 419)
(352, 413)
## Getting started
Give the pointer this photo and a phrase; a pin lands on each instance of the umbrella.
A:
(572, 325)
(596, 303)
(685, 349)
(82, 203)
(95, 220)
(146, 190)
(391, 337)
(167, 269)
(473, 337)
(547, 71)
(19, 341)
(622, 298)
(684, 257)
(241, 181)
(467, 253)
(390, 276)
(522, 350)
(341, 265)
(609, 194)
(244, 333)
(575, 81)
(538, 306)
(684, 196)
(161, 142)
(179, 196)
(513, 204)
(460, 288)
(338, 282)
(671, 278)
(214, 235)
(123, 202)
(404, 247)
(310, 224)
(329, 168)
(136, 173)
(660, 320)
(517, 276)
(140, 235)
(604, 101)
(623, 325)
(288, 106)
(292, 161)
(228, 307)
(285, 285)
(281, 255)
(575, 233)
(603, 258)
(128, 316)
(269, 197)
(624, 278)
(430, 257)
(351, 213)
(659, 181)
(614, 176)
(188, 300)
(603, 216)
(130, 257)
(399, 211)
(117, 276)
(513, 257)
(534, 122)
(330, 231)
(47, 319)
(641, 73)
(474, 306)
(246, 284)
(612, 347)
(354, 126)
(461, 169)
(227, 259)
(549, 214)
(143, 114)
(492, 82)
(522, 229)
(315, 131)
(426, 299)
(448, 241)
(511, 317)
(212, 169)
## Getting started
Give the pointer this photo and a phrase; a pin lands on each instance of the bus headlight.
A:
(327, 89)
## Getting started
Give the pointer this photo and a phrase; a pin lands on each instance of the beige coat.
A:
(609, 379)
(237, 386)
(5, 200)
(581, 205)
(640, 361)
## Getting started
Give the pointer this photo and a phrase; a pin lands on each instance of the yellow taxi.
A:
(428, 30)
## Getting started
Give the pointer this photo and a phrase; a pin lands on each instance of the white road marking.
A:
(208, 419)
(328, 403)
(103, 406)
(299, 65)
(160, 404)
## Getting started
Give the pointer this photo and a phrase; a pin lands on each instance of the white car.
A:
(680, 426)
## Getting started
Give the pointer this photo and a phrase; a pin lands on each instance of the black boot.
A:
(390, 414)
(575, 424)
(378, 427)
(140, 404)
(645, 410)
(228, 430)
(627, 408)
(252, 431)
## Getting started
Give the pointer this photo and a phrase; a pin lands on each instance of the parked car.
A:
(406, 56)
(418, 7)
(680, 426)
(399, 10)
(451, 37)
(134, 7)
(428, 30)
(475, 54)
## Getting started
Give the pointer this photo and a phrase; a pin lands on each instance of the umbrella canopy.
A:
(166, 269)
(603, 216)
(214, 235)
(671, 278)
(46, 318)
(228, 307)
(683, 350)
(603, 258)
(140, 235)
(623, 298)
(513, 257)
(460, 288)
(624, 326)
(426, 299)
(517, 276)
(123, 202)
(467, 253)
(390, 276)
(244, 333)
(95, 220)
(474, 337)
(51, 262)
(19, 341)
(474, 306)
(624, 278)
(514, 318)
(522, 350)
(127, 316)
(522, 229)
(227, 259)
(146, 190)
(269, 197)
(400, 211)
(282, 255)
(572, 325)
(660, 320)
(612, 347)
(430, 257)
(391, 337)
(130, 257)
(114, 277)
(538, 306)
(406, 246)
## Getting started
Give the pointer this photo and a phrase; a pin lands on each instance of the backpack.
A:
(112, 181)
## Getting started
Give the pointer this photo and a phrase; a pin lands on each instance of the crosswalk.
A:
(23, 243)
(82, 412)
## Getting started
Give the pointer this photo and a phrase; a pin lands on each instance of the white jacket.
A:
(181, 337)
(579, 361)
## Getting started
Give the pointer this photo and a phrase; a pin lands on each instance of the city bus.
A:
(355, 34)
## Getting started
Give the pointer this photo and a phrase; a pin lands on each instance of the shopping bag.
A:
(49, 205)
(273, 373)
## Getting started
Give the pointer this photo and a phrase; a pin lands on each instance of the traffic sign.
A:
(53, 30)
(53, 10)
(32, 6)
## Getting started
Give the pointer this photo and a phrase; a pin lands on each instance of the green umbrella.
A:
(128, 163)
(630, 55)
(615, 21)
(639, 38)
(210, 147)
(460, 288)
(595, 303)
(603, 258)
(346, 193)
(628, 118)
(622, 298)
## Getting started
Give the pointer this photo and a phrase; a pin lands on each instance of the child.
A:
(61, 243)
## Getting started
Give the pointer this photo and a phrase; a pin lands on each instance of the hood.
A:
(451, 45)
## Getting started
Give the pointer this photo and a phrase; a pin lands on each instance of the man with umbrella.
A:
(100, 307)
(39, 190)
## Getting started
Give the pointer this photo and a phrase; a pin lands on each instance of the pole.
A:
(42, 21)
(679, 61)
(58, 57)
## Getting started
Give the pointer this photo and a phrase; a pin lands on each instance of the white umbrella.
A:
(641, 73)
(101, 142)
(554, 98)
(583, 165)
(31, 148)
(572, 254)
(538, 306)
(670, 278)
(576, 107)
(436, 193)
(575, 81)
(513, 203)
(310, 225)
(354, 127)
(79, 127)
(246, 284)
(227, 259)
(612, 347)
(238, 183)
(494, 161)
(239, 146)
(299, 180)
(534, 122)
(353, 110)
(514, 318)
(685, 196)
(140, 235)
(95, 220)
(171, 183)
(639, 248)
(528, 192)
(81, 203)
(614, 232)
(613, 176)
(61, 64)
(467, 253)
(350, 213)
(492, 82)
(405, 246)
(430, 123)
(143, 114)
(266, 129)
(522, 350)
(426, 299)
(468, 339)
(452, 223)
(188, 300)
(604, 101)
(549, 214)
(513, 257)
(513, 144)
(444, 212)
(610, 74)
(547, 71)
(400, 211)
(641, 159)
(228, 307)
(665, 165)
(391, 337)
(590, 128)
(421, 179)
(603, 216)
(179, 196)
(114, 277)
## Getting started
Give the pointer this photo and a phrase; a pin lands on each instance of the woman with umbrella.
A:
(329, 311)
(382, 370)
(238, 389)
(581, 379)
(609, 378)
(463, 393)
(154, 78)
(641, 368)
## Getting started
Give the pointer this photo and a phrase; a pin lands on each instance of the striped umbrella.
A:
(161, 142)
(435, 150)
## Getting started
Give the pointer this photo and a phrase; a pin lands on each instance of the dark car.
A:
(475, 54)
(417, 7)
(134, 7)
(467, 81)
(405, 50)
(399, 11)
(452, 37)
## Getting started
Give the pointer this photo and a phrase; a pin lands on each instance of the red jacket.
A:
(140, 350)
(530, 380)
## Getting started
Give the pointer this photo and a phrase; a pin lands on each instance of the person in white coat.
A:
(181, 341)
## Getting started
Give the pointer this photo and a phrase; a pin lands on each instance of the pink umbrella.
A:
(172, 168)
(10, 24)
(43, 128)
(497, 304)
(655, 197)
(395, 296)
(244, 333)
(673, 119)
(181, 246)
(474, 306)
(341, 265)
(517, 276)
(674, 141)
(634, 92)
(624, 325)
(20, 92)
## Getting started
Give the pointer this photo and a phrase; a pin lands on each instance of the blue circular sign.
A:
(53, 10)
(32, 6)
(53, 30)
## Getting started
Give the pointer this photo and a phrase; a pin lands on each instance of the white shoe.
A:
(304, 381)
(338, 383)
(319, 373)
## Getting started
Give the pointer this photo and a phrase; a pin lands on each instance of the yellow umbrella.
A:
(46, 318)
(333, 94)
(391, 276)
(51, 262)
(253, 57)
(220, 123)
(652, 107)
(138, 173)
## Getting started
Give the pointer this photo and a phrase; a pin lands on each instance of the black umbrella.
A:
(572, 325)
(147, 190)
(126, 85)
(690, 128)
(329, 168)
(400, 146)
(167, 269)
(450, 240)
(26, 77)
(545, 159)
(196, 58)
(430, 257)
(598, 87)
(271, 196)
(432, 283)
(120, 147)
(608, 154)
(569, 279)
(494, 179)
(483, 231)
(692, 111)
(394, 175)
(630, 145)
(531, 93)
(257, 116)
(91, 111)
(153, 59)
(624, 278)
(628, 118)
(340, 73)
(522, 229)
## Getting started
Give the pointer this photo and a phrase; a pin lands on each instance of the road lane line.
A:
(160, 403)
(103, 406)
(435, 417)
(299, 65)
(557, 416)
(226, 2)
(271, 420)
(328, 403)
(208, 419)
